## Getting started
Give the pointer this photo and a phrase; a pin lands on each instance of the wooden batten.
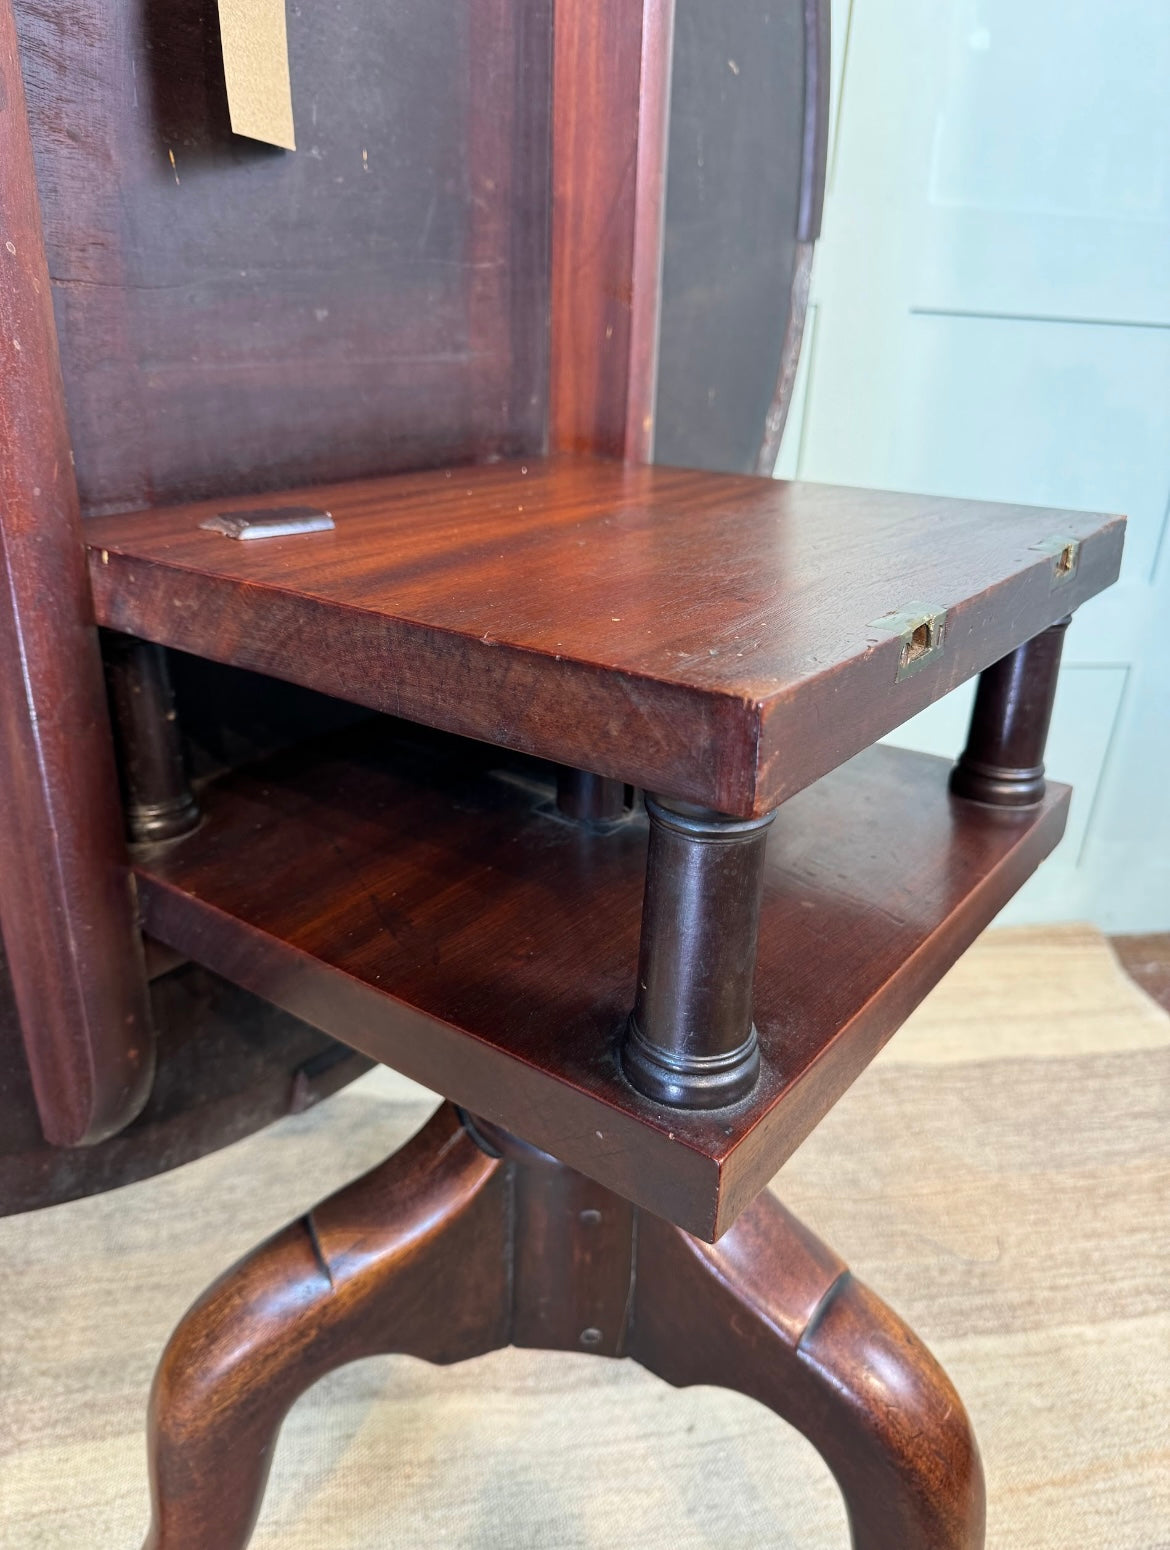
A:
(611, 100)
(66, 900)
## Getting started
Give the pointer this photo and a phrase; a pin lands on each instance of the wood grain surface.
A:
(234, 317)
(448, 923)
(711, 636)
(548, 1258)
(226, 1064)
(66, 902)
(611, 97)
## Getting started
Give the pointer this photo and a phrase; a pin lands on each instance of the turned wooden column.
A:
(1003, 762)
(690, 1040)
(158, 799)
(588, 798)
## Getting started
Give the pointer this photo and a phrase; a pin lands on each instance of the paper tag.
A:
(255, 65)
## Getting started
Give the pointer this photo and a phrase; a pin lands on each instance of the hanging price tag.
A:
(255, 65)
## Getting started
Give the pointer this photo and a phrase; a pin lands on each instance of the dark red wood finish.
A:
(237, 318)
(1003, 760)
(156, 793)
(713, 637)
(227, 1063)
(611, 98)
(449, 923)
(546, 1258)
(234, 319)
(66, 902)
(611, 105)
(690, 1041)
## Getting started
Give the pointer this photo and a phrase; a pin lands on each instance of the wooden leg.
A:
(468, 1240)
(690, 1040)
(368, 1271)
(773, 1313)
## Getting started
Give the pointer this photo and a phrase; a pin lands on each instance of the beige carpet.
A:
(1001, 1175)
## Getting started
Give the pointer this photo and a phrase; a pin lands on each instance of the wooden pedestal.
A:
(466, 1241)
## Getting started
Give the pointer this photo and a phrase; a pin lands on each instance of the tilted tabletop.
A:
(722, 639)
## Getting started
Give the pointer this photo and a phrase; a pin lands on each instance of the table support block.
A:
(528, 1252)
(589, 798)
(690, 1041)
(1003, 762)
(158, 799)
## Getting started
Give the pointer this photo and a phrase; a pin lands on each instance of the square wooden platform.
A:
(723, 639)
(423, 901)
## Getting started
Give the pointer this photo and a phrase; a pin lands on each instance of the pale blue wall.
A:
(991, 317)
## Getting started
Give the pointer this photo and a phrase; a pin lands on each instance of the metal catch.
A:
(270, 522)
(922, 628)
(1066, 556)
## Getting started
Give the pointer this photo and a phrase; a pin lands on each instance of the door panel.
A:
(990, 317)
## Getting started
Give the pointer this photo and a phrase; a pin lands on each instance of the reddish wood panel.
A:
(236, 317)
(227, 1063)
(611, 99)
(447, 922)
(714, 637)
(65, 889)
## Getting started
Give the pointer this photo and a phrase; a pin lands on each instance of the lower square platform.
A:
(421, 899)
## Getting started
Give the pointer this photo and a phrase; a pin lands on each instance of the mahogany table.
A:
(635, 1007)
(549, 780)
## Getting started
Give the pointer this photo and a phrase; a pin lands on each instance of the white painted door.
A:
(992, 319)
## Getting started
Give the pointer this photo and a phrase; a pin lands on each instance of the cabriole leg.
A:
(773, 1313)
(468, 1240)
(411, 1258)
